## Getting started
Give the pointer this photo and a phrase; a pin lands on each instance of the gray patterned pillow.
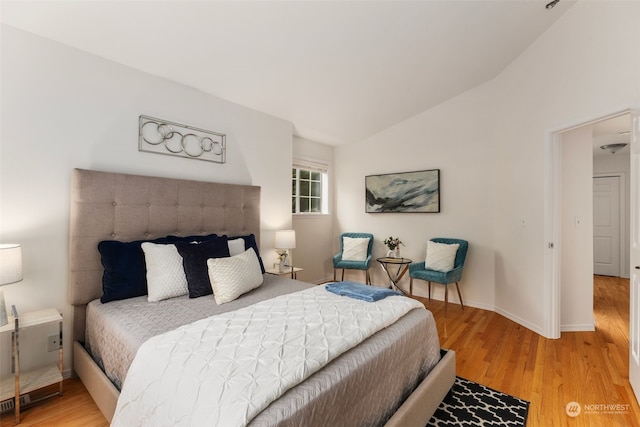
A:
(233, 276)
(440, 256)
(165, 274)
(354, 248)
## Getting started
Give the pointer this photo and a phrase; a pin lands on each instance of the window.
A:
(309, 188)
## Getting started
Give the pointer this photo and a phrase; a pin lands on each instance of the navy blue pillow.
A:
(125, 271)
(250, 242)
(194, 261)
(173, 239)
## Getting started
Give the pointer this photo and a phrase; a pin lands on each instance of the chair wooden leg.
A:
(459, 295)
(342, 275)
(410, 286)
(446, 299)
(334, 274)
(429, 290)
(367, 277)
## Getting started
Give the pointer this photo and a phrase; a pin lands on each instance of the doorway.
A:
(553, 232)
(559, 221)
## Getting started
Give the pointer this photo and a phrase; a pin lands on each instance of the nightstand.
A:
(21, 383)
(290, 270)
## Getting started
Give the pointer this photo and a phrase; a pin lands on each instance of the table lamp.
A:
(10, 272)
(285, 240)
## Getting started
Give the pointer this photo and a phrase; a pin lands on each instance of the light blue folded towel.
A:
(360, 291)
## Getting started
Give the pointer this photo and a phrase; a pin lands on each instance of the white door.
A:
(634, 301)
(606, 226)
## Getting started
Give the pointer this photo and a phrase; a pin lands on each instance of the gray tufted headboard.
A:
(115, 206)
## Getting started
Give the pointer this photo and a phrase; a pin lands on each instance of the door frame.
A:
(623, 250)
(634, 255)
(553, 218)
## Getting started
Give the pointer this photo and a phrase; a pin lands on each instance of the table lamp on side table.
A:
(285, 240)
(10, 272)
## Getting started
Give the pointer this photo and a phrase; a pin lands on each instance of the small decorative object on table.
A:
(285, 240)
(393, 243)
(282, 256)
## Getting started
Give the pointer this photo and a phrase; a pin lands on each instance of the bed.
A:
(383, 380)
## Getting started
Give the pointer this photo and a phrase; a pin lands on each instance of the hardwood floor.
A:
(75, 408)
(590, 368)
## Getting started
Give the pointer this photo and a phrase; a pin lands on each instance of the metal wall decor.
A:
(403, 192)
(174, 139)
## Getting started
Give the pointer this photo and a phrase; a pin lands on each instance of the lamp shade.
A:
(10, 264)
(285, 239)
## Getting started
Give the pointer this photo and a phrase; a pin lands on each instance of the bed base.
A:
(416, 410)
(420, 406)
(101, 389)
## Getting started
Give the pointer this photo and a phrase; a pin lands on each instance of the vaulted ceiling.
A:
(338, 70)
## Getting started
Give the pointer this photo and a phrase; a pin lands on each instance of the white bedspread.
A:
(225, 369)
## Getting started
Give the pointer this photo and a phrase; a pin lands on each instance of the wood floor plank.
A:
(590, 368)
(75, 408)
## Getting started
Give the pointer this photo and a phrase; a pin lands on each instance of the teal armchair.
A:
(338, 262)
(417, 270)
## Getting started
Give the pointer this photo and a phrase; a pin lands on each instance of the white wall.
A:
(65, 109)
(576, 280)
(585, 66)
(455, 137)
(490, 146)
(314, 233)
(619, 163)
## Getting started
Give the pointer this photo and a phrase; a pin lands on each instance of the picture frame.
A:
(404, 192)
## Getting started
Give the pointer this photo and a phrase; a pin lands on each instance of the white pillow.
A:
(440, 256)
(165, 273)
(236, 246)
(233, 276)
(354, 248)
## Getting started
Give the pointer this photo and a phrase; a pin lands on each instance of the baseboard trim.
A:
(586, 327)
(535, 328)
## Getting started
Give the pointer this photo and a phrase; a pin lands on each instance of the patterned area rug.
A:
(471, 404)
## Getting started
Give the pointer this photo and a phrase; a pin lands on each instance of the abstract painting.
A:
(403, 192)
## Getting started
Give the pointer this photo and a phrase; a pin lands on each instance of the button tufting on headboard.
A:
(173, 206)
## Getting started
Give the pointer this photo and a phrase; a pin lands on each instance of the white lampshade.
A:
(285, 239)
(10, 272)
(10, 264)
